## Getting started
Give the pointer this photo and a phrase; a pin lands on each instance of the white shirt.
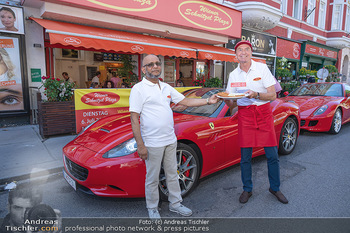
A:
(156, 116)
(95, 80)
(258, 79)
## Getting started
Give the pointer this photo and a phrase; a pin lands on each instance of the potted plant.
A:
(56, 108)
(213, 82)
(126, 72)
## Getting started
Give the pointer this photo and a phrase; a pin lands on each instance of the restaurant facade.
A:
(82, 37)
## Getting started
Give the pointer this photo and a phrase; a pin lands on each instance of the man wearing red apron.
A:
(255, 118)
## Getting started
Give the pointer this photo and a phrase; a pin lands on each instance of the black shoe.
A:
(245, 197)
(279, 196)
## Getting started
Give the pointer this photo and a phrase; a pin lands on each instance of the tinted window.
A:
(319, 89)
(200, 93)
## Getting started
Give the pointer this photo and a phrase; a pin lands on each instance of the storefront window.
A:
(186, 71)
(169, 70)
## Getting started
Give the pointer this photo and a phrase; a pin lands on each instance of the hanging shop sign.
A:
(261, 43)
(288, 49)
(197, 14)
(11, 95)
(11, 19)
(320, 51)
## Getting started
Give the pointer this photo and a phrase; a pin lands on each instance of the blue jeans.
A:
(272, 166)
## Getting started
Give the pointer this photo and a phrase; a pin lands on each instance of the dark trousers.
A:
(272, 166)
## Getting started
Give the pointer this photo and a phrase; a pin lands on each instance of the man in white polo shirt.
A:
(255, 118)
(154, 133)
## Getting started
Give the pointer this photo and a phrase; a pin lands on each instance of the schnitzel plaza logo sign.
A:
(198, 14)
(205, 15)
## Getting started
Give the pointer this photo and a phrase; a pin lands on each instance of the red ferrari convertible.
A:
(324, 107)
(102, 160)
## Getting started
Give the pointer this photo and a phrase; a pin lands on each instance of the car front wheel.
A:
(289, 136)
(188, 168)
(336, 122)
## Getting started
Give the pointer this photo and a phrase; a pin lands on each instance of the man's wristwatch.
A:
(258, 95)
(208, 101)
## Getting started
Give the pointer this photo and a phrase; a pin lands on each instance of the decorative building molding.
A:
(257, 15)
(339, 42)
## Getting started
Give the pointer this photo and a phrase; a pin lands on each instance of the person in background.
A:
(255, 118)
(8, 19)
(153, 128)
(94, 85)
(96, 79)
(116, 80)
(66, 77)
(109, 84)
(179, 83)
(124, 85)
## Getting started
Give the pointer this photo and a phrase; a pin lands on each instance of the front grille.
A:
(77, 171)
(313, 123)
(302, 122)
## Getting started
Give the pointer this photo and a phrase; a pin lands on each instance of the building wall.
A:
(35, 55)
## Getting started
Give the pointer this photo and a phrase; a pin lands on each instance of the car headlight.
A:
(126, 148)
(321, 110)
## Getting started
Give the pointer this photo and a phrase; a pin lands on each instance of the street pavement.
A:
(25, 154)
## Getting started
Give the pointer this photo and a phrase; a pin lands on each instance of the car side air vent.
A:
(292, 101)
(105, 130)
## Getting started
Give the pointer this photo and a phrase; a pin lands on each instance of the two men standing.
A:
(153, 126)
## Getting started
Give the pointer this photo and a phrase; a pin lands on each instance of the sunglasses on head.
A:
(151, 64)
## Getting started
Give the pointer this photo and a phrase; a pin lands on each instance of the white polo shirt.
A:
(156, 116)
(258, 79)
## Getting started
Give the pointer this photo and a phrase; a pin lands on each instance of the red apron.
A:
(255, 126)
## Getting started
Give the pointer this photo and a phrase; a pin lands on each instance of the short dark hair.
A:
(26, 192)
(94, 84)
(98, 73)
(65, 73)
(9, 10)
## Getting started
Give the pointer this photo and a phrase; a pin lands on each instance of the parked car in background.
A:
(103, 159)
(324, 107)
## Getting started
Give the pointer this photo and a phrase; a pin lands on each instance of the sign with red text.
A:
(196, 14)
(321, 51)
(94, 104)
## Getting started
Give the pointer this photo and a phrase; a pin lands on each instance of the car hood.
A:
(113, 130)
(106, 133)
(309, 104)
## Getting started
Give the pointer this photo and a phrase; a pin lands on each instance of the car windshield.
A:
(199, 93)
(319, 89)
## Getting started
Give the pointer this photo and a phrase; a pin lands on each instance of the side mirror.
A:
(285, 93)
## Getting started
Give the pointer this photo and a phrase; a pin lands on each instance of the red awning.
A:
(78, 36)
(211, 52)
